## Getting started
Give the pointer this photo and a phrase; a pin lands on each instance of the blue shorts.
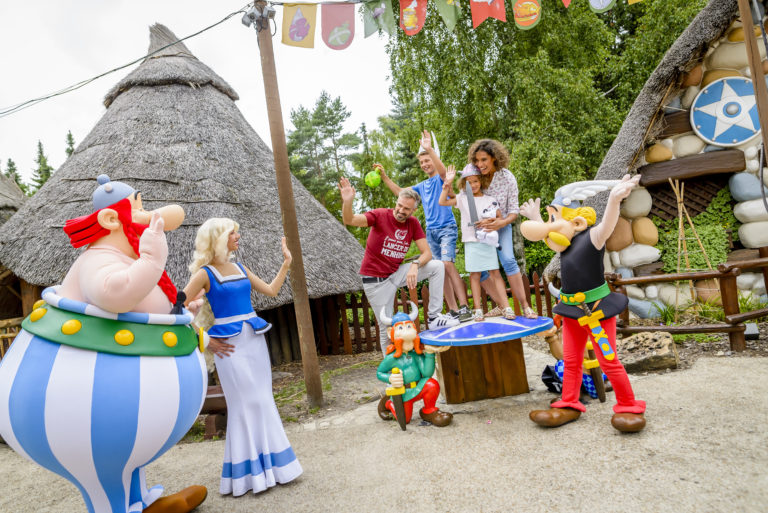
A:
(442, 242)
(506, 251)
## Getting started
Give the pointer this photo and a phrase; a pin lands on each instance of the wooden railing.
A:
(726, 275)
(9, 328)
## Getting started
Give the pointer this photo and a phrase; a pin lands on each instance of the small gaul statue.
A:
(408, 368)
(587, 305)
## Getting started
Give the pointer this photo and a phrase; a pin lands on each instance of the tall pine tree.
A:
(12, 172)
(43, 172)
(70, 149)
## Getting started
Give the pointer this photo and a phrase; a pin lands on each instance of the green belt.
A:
(108, 335)
(589, 296)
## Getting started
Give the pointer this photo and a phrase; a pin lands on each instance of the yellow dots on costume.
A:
(170, 339)
(37, 314)
(201, 340)
(39, 303)
(71, 327)
(124, 337)
(579, 297)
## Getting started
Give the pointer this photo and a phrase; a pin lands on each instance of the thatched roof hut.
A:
(642, 122)
(173, 132)
(11, 198)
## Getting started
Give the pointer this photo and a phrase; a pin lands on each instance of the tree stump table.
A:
(486, 358)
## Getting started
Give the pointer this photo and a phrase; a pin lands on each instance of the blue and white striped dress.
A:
(257, 452)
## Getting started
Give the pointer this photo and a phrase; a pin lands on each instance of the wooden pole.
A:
(755, 68)
(290, 223)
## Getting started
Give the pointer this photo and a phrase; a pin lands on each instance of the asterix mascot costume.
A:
(415, 365)
(587, 305)
(106, 374)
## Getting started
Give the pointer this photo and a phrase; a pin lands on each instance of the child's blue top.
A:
(230, 299)
(435, 215)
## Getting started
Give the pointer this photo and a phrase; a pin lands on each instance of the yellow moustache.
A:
(559, 239)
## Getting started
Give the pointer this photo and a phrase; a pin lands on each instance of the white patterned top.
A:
(504, 188)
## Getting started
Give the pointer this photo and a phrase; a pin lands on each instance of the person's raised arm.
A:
(271, 289)
(604, 229)
(447, 198)
(426, 143)
(391, 185)
(196, 286)
(347, 214)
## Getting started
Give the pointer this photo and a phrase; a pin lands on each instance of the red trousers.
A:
(429, 393)
(574, 341)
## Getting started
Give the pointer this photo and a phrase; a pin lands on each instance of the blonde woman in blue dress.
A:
(257, 453)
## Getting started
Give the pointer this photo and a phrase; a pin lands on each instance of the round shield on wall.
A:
(724, 113)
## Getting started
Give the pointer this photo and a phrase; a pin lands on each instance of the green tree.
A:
(12, 172)
(319, 149)
(42, 172)
(70, 149)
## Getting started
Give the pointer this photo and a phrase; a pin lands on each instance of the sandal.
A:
(509, 314)
(530, 313)
(496, 312)
(477, 316)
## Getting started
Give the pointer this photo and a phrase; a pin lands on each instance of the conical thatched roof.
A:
(685, 53)
(11, 198)
(173, 132)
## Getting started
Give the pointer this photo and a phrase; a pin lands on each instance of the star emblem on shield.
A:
(724, 113)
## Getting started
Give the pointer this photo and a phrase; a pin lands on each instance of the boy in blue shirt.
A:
(441, 225)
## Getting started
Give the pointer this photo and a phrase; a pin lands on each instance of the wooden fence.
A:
(9, 328)
(726, 276)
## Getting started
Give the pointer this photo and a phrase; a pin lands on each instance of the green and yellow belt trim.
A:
(589, 296)
(108, 335)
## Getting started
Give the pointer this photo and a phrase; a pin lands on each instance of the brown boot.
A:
(437, 418)
(554, 417)
(182, 502)
(628, 422)
(384, 413)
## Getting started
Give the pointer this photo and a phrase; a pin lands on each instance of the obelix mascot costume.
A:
(106, 374)
(587, 305)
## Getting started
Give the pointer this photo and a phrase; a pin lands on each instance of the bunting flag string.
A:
(338, 25)
(413, 14)
(484, 9)
(338, 17)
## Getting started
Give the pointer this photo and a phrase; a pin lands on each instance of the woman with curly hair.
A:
(257, 454)
(492, 159)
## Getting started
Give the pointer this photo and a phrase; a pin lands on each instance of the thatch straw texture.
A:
(624, 154)
(173, 132)
(11, 198)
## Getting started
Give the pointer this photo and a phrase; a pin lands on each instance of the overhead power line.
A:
(7, 111)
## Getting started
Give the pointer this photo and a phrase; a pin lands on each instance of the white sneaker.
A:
(442, 321)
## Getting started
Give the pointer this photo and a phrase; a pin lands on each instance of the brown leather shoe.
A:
(554, 417)
(384, 413)
(182, 502)
(628, 422)
(437, 418)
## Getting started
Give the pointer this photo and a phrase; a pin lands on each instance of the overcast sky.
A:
(50, 44)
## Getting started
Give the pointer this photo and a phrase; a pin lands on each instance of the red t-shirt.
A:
(388, 242)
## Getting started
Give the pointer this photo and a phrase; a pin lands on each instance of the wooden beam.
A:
(675, 124)
(755, 67)
(13, 292)
(725, 161)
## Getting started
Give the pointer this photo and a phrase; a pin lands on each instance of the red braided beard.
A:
(86, 230)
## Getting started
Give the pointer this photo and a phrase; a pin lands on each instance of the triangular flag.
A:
(601, 5)
(338, 25)
(412, 15)
(299, 25)
(484, 9)
(378, 15)
(450, 11)
(567, 3)
(527, 13)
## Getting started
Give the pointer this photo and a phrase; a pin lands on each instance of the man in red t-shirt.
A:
(383, 270)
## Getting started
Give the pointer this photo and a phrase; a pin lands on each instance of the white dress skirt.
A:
(257, 452)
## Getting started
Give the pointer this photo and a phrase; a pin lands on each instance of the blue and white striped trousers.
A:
(96, 418)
